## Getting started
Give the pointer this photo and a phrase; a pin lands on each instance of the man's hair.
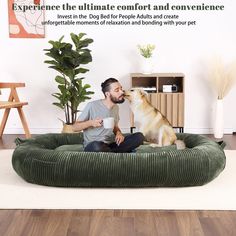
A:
(106, 84)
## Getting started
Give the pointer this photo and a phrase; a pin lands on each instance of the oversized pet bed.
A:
(59, 160)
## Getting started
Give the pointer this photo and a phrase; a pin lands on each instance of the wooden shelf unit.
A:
(171, 104)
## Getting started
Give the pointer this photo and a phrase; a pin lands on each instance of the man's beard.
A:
(117, 100)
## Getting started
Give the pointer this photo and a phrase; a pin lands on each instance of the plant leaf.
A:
(60, 79)
(58, 105)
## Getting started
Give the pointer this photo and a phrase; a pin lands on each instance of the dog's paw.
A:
(146, 142)
(180, 144)
(154, 145)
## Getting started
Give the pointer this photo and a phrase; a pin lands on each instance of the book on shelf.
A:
(147, 89)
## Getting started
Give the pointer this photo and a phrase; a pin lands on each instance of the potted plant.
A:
(146, 52)
(68, 60)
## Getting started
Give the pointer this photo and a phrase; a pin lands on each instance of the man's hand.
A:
(119, 138)
(96, 122)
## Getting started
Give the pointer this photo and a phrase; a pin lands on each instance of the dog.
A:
(153, 124)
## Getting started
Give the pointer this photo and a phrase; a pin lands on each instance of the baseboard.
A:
(124, 130)
(32, 130)
(206, 130)
(200, 130)
(43, 130)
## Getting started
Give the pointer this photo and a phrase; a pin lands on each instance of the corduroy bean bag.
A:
(46, 160)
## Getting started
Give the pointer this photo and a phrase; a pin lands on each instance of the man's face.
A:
(116, 93)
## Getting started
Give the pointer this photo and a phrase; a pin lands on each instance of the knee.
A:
(95, 146)
(140, 137)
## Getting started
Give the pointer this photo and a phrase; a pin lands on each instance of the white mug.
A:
(108, 123)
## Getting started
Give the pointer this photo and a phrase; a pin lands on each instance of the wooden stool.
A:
(13, 102)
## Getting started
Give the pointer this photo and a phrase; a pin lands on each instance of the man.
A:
(96, 137)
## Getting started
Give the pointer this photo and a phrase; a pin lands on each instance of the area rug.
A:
(15, 193)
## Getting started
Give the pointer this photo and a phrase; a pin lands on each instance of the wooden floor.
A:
(116, 222)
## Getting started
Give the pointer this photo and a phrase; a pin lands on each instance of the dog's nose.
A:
(126, 94)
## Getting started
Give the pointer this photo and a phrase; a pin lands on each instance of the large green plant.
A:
(68, 60)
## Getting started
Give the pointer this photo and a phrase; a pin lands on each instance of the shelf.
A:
(176, 81)
(144, 82)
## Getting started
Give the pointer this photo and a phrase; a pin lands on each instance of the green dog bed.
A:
(59, 160)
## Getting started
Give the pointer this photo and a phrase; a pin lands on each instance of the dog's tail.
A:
(180, 144)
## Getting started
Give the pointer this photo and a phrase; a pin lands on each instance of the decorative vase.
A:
(67, 129)
(219, 121)
(147, 65)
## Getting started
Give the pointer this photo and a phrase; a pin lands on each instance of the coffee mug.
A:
(108, 123)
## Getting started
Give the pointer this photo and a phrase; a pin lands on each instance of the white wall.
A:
(114, 51)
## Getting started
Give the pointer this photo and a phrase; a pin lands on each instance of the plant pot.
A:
(219, 119)
(67, 129)
(147, 65)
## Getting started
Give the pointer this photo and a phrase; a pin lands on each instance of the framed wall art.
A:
(25, 23)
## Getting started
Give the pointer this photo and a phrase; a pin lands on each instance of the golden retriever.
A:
(154, 126)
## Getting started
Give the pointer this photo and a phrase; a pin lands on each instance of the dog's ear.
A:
(143, 93)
